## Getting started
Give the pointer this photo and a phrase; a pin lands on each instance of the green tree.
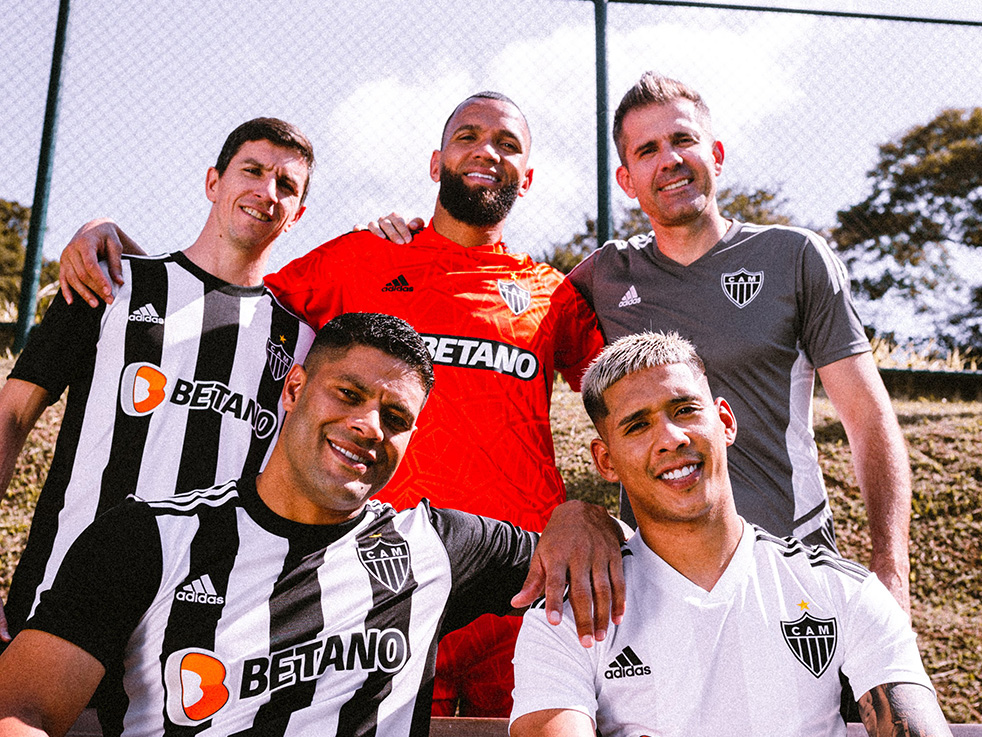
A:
(14, 222)
(750, 206)
(911, 237)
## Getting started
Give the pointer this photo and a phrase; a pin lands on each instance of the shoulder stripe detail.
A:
(817, 555)
(188, 502)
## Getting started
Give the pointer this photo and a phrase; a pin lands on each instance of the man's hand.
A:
(394, 227)
(80, 269)
(581, 545)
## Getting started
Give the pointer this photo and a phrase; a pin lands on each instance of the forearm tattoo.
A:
(902, 710)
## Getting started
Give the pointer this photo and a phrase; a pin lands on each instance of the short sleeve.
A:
(489, 561)
(577, 339)
(881, 646)
(65, 339)
(831, 328)
(309, 285)
(552, 669)
(105, 584)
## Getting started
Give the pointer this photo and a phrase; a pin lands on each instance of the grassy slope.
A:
(946, 532)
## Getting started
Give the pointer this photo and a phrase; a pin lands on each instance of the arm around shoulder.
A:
(45, 682)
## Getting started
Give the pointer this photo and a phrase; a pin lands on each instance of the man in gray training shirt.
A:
(766, 306)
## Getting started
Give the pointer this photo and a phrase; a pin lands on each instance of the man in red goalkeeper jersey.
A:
(498, 326)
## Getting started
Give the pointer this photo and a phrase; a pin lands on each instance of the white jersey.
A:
(174, 386)
(761, 654)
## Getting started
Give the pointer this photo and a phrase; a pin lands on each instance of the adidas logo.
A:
(146, 314)
(398, 285)
(630, 298)
(626, 664)
(200, 591)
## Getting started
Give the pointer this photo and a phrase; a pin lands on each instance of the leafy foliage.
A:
(750, 206)
(14, 222)
(914, 237)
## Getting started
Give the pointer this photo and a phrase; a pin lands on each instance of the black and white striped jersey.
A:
(174, 386)
(231, 620)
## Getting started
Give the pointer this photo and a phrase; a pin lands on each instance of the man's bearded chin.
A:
(476, 206)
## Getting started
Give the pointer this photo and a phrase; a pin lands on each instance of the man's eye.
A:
(397, 423)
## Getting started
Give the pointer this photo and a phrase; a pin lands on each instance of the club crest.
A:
(812, 641)
(740, 287)
(387, 562)
(278, 360)
(516, 297)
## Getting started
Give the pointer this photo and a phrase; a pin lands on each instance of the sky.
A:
(150, 91)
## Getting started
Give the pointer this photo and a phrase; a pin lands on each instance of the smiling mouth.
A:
(489, 178)
(256, 214)
(676, 185)
(351, 456)
(679, 473)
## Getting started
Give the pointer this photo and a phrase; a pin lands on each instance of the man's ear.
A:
(293, 386)
(296, 217)
(728, 419)
(623, 177)
(718, 155)
(211, 183)
(435, 160)
(601, 460)
(526, 183)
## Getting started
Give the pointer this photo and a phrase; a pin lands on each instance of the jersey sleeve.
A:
(881, 646)
(577, 339)
(309, 286)
(65, 339)
(489, 561)
(831, 329)
(552, 669)
(106, 583)
(581, 277)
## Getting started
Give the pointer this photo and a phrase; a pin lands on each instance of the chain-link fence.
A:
(150, 90)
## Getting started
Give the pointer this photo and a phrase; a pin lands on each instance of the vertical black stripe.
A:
(191, 623)
(284, 331)
(295, 617)
(143, 343)
(359, 716)
(216, 354)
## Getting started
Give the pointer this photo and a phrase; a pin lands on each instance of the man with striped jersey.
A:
(729, 630)
(175, 385)
(292, 603)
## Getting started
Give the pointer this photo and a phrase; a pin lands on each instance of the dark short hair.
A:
(275, 131)
(654, 89)
(485, 95)
(388, 334)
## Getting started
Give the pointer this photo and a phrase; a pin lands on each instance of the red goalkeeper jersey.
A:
(497, 325)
